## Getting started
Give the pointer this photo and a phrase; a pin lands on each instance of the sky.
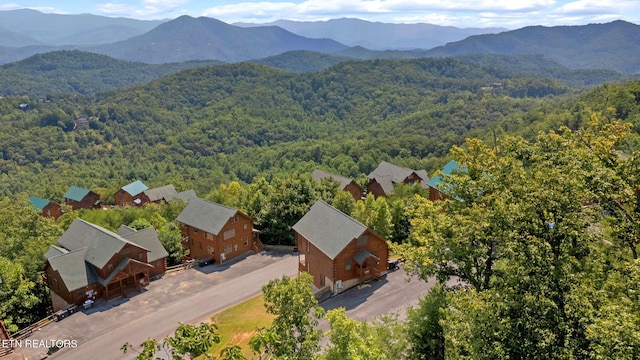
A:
(511, 14)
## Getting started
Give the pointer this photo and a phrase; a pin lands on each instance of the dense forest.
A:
(543, 230)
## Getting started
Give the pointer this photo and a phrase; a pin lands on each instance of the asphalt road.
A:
(189, 296)
(192, 296)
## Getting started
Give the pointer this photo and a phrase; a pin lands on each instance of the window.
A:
(246, 226)
(227, 249)
(140, 256)
(363, 240)
(235, 247)
(347, 265)
(110, 267)
(229, 234)
(195, 230)
(210, 250)
(246, 242)
(235, 219)
(208, 236)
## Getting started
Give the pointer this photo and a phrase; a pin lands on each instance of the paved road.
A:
(189, 296)
(194, 295)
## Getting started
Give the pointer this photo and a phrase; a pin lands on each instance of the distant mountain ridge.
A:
(79, 29)
(377, 35)
(187, 38)
(611, 46)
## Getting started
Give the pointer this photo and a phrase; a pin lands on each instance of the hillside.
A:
(74, 71)
(187, 38)
(204, 126)
(610, 46)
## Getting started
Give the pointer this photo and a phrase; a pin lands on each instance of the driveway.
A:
(189, 296)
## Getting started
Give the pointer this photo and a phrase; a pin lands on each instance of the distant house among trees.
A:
(79, 198)
(338, 251)
(386, 175)
(47, 208)
(437, 190)
(137, 193)
(130, 194)
(216, 232)
(92, 262)
(160, 194)
(346, 184)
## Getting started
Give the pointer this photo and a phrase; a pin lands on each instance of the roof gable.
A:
(101, 243)
(161, 193)
(206, 215)
(388, 174)
(76, 193)
(73, 269)
(38, 203)
(135, 188)
(148, 239)
(319, 175)
(328, 228)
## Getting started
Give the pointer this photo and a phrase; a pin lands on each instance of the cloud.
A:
(601, 7)
(148, 8)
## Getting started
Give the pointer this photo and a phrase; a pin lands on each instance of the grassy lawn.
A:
(238, 324)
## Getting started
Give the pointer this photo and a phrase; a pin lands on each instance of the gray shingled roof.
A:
(328, 228)
(73, 270)
(387, 174)
(206, 215)
(318, 175)
(161, 193)
(148, 239)
(101, 243)
(184, 195)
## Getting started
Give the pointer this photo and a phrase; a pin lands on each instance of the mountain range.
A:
(610, 46)
(377, 35)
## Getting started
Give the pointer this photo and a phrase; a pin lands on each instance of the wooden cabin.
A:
(386, 175)
(338, 251)
(130, 194)
(47, 208)
(79, 198)
(215, 232)
(91, 262)
(346, 184)
(437, 189)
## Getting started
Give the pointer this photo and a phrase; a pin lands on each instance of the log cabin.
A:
(346, 184)
(91, 262)
(386, 175)
(338, 251)
(47, 208)
(130, 194)
(214, 232)
(437, 189)
(79, 198)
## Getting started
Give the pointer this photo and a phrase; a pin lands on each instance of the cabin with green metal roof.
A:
(337, 250)
(47, 208)
(130, 194)
(80, 198)
(437, 186)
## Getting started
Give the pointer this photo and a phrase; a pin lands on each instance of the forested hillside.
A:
(205, 126)
(74, 71)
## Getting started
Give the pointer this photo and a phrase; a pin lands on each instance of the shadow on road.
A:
(352, 298)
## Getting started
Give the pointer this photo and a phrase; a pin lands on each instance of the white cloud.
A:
(585, 7)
